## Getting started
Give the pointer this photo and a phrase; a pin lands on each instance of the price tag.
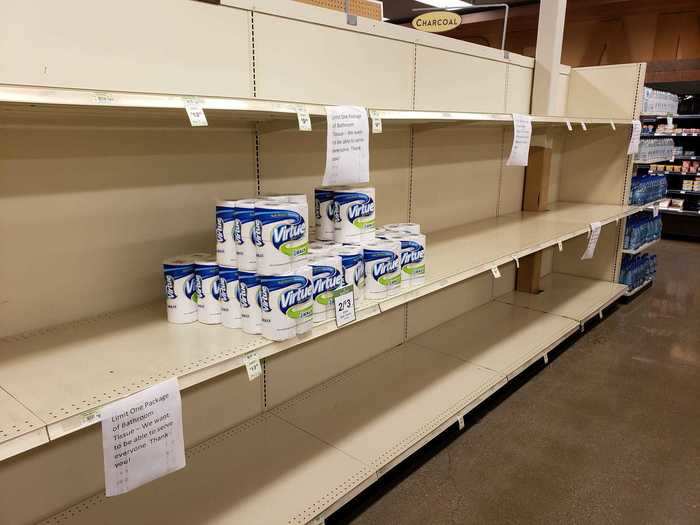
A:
(669, 120)
(304, 119)
(376, 121)
(344, 301)
(612, 125)
(142, 437)
(568, 125)
(634, 138)
(583, 125)
(496, 272)
(252, 365)
(104, 99)
(682, 192)
(592, 241)
(561, 246)
(195, 113)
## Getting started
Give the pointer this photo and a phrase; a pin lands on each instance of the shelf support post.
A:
(550, 33)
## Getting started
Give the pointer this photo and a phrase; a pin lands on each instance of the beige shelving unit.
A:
(103, 177)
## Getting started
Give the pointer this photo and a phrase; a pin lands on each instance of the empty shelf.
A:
(574, 297)
(383, 408)
(520, 337)
(261, 472)
(19, 428)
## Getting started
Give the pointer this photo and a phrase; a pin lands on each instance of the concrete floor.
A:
(608, 432)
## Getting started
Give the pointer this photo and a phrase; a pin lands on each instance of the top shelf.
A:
(28, 97)
(659, 117)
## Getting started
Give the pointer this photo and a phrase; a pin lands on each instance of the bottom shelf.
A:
(569, 296)
(635, 291)
(302, 460)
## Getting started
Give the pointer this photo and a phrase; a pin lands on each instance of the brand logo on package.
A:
(436, 21)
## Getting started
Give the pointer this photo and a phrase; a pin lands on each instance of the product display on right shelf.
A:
(661, 121)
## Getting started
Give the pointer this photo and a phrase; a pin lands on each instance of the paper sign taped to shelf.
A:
(592, 241)
(347, 146)
(522, 133)
(304, 119)
(376, 121)
(633, 148)
(142, 437)
(252, 365)
(195, 113)
(344, 301)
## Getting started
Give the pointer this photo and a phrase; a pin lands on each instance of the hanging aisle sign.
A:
(142, 437)
(436, 21)
(634, 139)
(522, 133)
(347, 146)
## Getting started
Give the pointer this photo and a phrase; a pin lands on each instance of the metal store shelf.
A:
(261, 472)
(305, 458)
(116, 355)
(523, 337)
(672, 211)
(574, 297)
(643, 247)
(252, 109)
(635, 291)
(19, 428)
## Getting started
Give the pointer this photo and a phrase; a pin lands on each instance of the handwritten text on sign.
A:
(347, 146)
(142, 437)
(522, 133)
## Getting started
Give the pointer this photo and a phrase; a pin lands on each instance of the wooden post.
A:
(535, 198)
(550, 32)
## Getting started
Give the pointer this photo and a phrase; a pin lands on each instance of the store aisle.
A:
(607, 433)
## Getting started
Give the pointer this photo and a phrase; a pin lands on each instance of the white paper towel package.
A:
(352, 259)
(180, 289)
(353, 214)
(249, 299)
(280, 235)
(325, 229)
(382, 260)
(286, 302)
(327, 275)
(243, 222)
(228, 297)
(412, 257)
(225, 243)
(206, 273)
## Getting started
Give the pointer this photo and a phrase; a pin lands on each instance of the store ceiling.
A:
(400, 11)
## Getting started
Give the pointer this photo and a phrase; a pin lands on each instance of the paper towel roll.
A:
(249, 299)
(412, 257)
(206, 273)
(407, 227)
(281, 236)
(180, 288)
(352, 258)
(325, 230)
(327, 275)
(243, 222)
(225, 243)
(382, 268)
(353, 215)
(286, 302)
(228, 297)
